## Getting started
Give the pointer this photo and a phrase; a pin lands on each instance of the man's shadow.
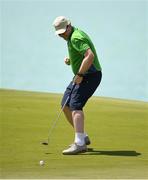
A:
(92, 151)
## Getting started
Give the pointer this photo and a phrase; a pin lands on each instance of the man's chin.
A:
(65, 38)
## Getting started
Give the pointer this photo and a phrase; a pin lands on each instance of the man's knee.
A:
(66, 109)
(77, 112)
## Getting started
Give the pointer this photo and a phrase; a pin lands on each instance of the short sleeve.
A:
(80, 45)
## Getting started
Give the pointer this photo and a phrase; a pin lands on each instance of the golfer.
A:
(87, 77)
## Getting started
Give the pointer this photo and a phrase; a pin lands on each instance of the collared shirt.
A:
(78, 43)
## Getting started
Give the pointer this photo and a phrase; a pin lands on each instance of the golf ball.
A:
(41, 163)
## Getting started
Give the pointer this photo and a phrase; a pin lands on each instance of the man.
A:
(87, 77)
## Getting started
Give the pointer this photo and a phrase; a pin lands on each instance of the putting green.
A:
(118, 130)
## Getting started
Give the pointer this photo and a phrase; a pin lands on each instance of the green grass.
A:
(118, 131)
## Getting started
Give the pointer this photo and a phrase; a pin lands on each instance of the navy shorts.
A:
(81, 92)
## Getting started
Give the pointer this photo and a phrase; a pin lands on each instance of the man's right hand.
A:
(67, 61)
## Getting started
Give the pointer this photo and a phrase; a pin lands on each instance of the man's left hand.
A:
(77, 79)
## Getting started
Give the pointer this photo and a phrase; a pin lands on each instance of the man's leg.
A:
(79, 126)
(75, 118)
(79, 146)
(78, 121)
(68, 115)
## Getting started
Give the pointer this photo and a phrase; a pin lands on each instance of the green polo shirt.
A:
(78, 43)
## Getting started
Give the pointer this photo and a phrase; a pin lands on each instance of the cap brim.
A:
(60, 31)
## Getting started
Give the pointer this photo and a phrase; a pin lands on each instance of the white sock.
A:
(79, 139)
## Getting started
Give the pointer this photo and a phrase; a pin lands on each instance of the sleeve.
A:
(80, 45)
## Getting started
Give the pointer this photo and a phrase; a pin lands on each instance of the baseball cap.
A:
(60, 24)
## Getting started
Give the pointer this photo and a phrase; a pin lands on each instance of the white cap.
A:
(60, 24)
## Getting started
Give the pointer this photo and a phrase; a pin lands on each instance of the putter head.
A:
(44, 143)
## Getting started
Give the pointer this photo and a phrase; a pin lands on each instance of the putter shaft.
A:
(53, 123)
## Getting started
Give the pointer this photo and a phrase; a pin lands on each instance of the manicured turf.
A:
(118, 131)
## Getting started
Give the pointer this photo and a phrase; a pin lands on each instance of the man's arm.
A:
(86, 63)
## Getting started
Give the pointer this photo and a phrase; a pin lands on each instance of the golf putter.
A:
(54, 122)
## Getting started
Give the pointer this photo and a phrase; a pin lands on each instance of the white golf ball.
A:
(41, 163)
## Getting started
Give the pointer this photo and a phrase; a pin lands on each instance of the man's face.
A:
(64, 35)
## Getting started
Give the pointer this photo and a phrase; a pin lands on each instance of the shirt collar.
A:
(73, 28)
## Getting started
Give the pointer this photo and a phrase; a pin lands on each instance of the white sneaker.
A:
(75, 149)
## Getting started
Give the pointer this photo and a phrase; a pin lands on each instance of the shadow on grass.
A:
(91, 151)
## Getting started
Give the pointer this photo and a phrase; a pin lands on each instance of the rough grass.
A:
(118, 131)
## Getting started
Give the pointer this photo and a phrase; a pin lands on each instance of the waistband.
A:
(93, 73)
